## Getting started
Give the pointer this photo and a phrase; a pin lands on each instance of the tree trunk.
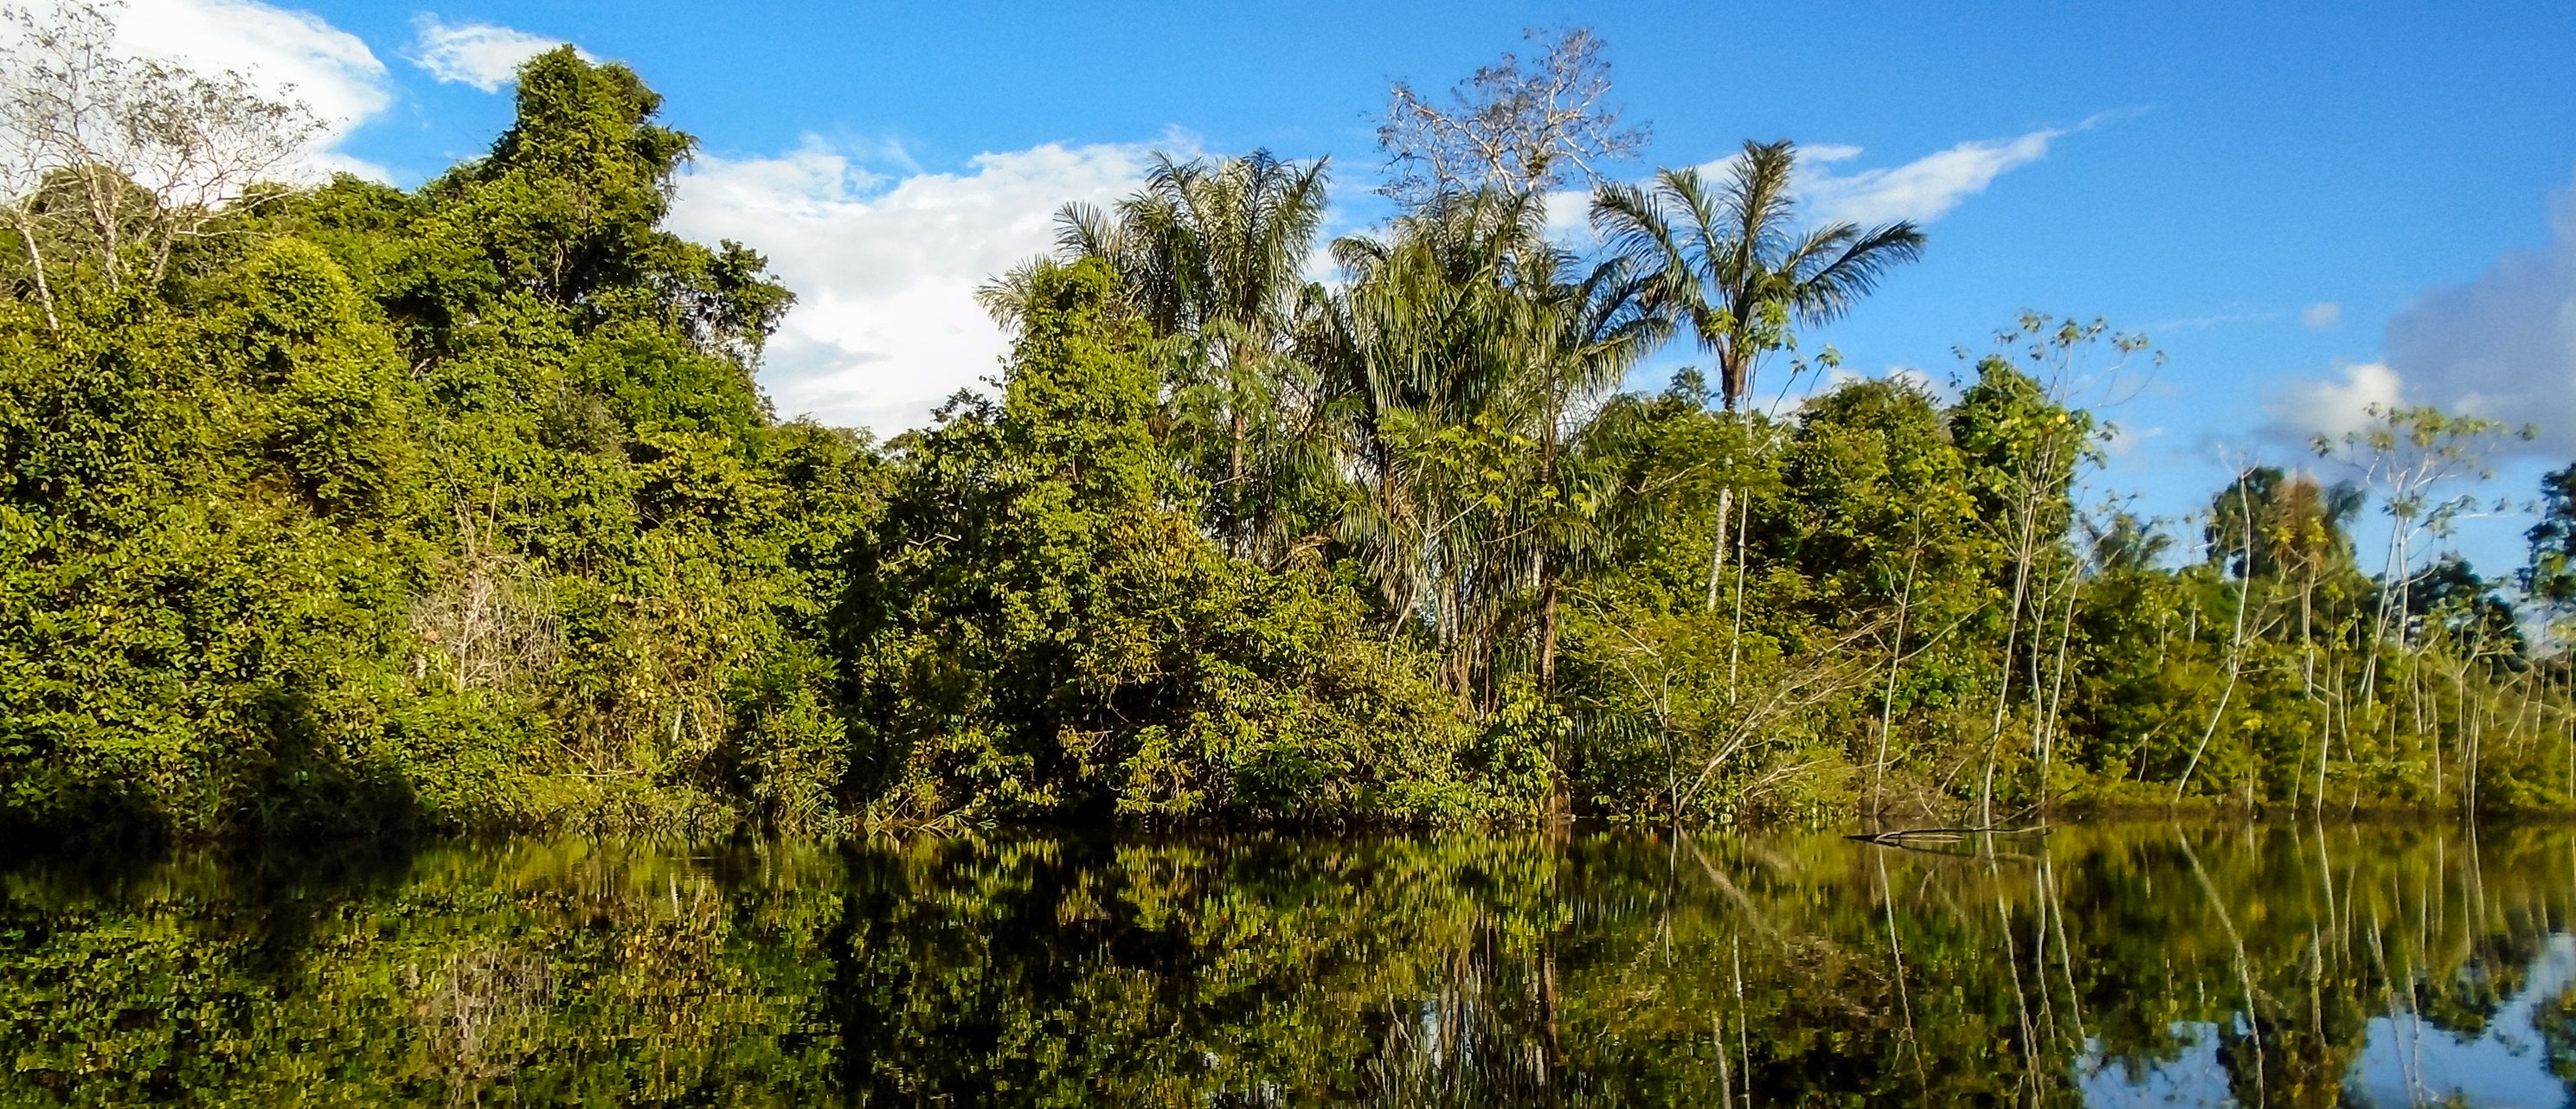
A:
(2235, 655)
(1717, 550)
(1542, 573)
(1547, 639)
(1895, 659)
(2012, 639)
(1235, 487)
(1735, 637)
(2047, 730)
(36, 266)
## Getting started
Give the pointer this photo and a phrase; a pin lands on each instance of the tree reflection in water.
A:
(2137, 964)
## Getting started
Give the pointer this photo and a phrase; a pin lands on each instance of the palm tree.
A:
(2123, 543)
(1732, 262)
(1433, 349)
(1735, 263)
(1606, 322)
(1212, 254)
(1466, 353)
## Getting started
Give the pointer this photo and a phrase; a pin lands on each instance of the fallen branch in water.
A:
(1904, 836)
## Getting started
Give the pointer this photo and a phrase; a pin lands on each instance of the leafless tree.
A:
(124, 158)
(1520, 128)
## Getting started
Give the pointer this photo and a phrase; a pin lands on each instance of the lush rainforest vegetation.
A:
(458, 507)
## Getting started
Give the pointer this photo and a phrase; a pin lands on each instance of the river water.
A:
(2127, 965)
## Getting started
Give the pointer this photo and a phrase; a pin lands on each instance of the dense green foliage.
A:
(1036, 632)
(458, 508)
(2286, 966)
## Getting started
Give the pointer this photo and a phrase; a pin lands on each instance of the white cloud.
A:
(885, 269)
(2502, 345)
(1922, 190)
(1569, 217)
(2322, 316)
(484, 55)
(2302, 410)
(292, 54)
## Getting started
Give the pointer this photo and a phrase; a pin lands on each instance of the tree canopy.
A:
(459, 507)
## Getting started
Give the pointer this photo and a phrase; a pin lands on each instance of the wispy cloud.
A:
(484, 55)
(2203, 323)
(885, 265)
(1928, 187)
(1922, 190)
(2322, 316)
(2125, 440)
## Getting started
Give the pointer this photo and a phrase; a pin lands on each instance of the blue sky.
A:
(2307, 206)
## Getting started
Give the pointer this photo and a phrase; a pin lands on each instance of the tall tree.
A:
(1738, 265)
(122, 159)
(1509, 128)
(1605, 324)
(2551, 576)
(1211, 255)
(1734, 264)
(1438, 342)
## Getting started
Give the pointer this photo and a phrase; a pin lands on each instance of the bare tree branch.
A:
(1515, 129)
(127, 157)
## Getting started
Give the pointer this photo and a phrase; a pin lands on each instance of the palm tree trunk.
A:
(1234, 488)
(1547, 638)
(1544, 573)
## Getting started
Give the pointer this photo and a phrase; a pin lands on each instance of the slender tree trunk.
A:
(2465, 722)
(102, 185)
(2325, 750)
(1547, 637)
(1234, 487)
(1546, 570)
(1895, 659)
(2012, 638)
(2392, 566)
(2235, 651)
(1717, 548)
(36, 266)
(2057, 689)
(1735, 638)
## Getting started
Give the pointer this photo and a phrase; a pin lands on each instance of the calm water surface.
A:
(2134, 965)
